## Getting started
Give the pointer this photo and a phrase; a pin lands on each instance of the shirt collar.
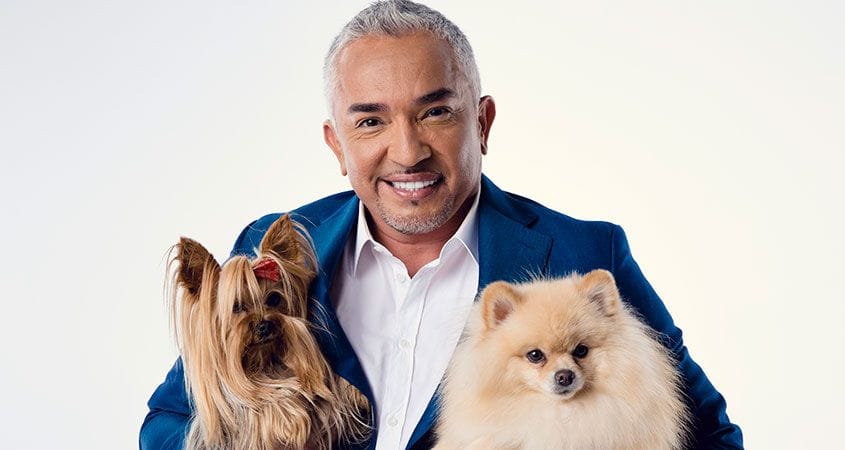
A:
(466, 236)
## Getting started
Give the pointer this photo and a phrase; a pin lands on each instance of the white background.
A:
(712, 131)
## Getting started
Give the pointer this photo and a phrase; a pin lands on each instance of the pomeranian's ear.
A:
(193, 259)
(281, 239)
(498, 301)
(600, 288)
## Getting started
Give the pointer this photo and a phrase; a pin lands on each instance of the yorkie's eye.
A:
(238, 308)
(274, 299)
(535, 356)
(580, 351)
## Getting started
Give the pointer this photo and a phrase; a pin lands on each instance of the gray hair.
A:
(398, 18)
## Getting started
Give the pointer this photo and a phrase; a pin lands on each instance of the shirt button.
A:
(393, 421)
(400, 278)
(404, 343)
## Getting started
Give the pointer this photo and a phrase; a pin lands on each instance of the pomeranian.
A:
(560, 364)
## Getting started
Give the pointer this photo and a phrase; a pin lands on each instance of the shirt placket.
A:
(407, 293)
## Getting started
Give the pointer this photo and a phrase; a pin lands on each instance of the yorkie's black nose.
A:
(564, 377)
(264, 329)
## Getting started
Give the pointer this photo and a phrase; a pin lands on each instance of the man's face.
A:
(407, 130)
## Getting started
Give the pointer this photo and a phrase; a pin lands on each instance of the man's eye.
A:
(368, 123)
(438, 111)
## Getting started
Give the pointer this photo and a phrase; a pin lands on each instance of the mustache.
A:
(420, 167)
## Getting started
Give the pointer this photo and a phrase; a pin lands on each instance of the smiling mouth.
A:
(412, 185)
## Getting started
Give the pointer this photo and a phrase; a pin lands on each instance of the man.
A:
(401, 267)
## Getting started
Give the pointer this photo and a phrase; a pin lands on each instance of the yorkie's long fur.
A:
(254, 371)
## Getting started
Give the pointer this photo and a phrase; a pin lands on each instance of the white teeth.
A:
(412, 185)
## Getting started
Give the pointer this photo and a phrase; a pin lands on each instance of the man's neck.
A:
(417, 250)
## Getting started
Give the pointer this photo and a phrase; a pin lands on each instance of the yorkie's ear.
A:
(282, 239)
(194, 260)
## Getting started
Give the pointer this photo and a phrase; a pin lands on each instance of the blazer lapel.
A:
(329, 239)
(507, 250)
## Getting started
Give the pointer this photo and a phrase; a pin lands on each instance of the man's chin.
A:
(418, 222)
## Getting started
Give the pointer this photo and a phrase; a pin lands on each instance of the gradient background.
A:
(712, 131)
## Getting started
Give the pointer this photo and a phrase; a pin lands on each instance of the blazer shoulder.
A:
(577, 245)
(309, 215)
(556, 223)
(312, 214)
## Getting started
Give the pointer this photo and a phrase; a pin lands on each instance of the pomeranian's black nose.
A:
(264, 329)
(564, 377)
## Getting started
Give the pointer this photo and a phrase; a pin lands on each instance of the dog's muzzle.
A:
(264, 330)
(566, 382)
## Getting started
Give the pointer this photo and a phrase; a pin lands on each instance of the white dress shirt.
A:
(404, 330)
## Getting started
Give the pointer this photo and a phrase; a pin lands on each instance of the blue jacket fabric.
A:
(517, 237)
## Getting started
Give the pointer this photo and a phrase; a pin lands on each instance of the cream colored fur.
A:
(628, 395)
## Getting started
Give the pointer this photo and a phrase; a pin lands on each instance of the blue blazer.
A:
(516, 237)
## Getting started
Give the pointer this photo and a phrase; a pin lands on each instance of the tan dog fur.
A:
(624, 393)
(257, 390)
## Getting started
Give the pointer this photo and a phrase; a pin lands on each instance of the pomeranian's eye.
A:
(274, 299)
(535, 356)
(580, 351)
(238, 308)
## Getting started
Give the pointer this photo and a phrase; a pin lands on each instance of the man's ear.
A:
(498, 302)
(600, 289)
(330, 136)
(281, 238)
(486, 115)
(194, 262)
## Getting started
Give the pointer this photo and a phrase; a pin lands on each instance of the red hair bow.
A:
(267, 269)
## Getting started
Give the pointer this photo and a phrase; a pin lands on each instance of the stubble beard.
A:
(417, 224)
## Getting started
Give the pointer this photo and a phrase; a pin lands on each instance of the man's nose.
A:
(407, 148)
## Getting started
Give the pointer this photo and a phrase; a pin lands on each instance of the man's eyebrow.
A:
(431, 97)
(366, 108)
(435, 96)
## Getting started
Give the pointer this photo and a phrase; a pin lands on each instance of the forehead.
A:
(381, 68)
(554, 315)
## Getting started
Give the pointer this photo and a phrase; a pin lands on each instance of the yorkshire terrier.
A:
(253, 368)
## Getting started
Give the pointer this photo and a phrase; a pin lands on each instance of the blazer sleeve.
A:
(166, 424)
(712, 429)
